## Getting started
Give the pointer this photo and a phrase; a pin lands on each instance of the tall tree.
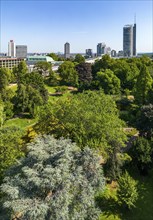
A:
(143, 85)
(127, 191)
(55, 181)
(3, 79)
(84, 75)
(68, 73)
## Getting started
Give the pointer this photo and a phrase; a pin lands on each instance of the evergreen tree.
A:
(56, 181)
(127, 191)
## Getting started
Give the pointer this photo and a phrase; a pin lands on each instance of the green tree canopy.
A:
(88, 119)
(10, 147)
(145, 121)
(84, 75)
(68, 73)
(19, 71)
(141, 153)
(56, 180)
(143, 86)
(109, 82)
(79, 58)
(4, 80)
(30, 93)
(44, 68)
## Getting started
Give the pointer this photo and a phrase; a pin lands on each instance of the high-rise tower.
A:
(11, 49)
(128, 40)
(67, 50)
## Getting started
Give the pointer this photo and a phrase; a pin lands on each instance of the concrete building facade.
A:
(9, 63)
(101, 49)
(21, 51)
(11, 49)
(67, 50)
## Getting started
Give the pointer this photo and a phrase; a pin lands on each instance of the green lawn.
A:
(144, 206)
(20, 122)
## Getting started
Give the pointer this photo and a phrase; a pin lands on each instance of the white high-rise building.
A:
(11, 49)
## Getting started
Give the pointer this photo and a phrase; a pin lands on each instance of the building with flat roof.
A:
(129, 40)
(11, 49)
(101, 49)
(32, 60)
(21, 51)
(113, 53)
(67, 50)
(89, 52)
(8, 62)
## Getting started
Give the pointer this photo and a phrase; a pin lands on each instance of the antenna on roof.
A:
(135, 18)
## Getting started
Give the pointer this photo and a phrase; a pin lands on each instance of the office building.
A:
(9, 63)
(120, 53)
(21, 51)
(32, 60)
(128, 40)
(101, 49)
(11, 49)
(113, 53)
(108, 51)
(89, 52)
(67, 50)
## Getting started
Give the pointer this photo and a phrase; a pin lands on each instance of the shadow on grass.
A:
(109, 205)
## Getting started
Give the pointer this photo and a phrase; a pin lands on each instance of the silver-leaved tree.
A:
(56, 181)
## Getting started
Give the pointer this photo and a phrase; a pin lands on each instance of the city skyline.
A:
(46, 26)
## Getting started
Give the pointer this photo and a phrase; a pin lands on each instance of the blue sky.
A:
(44, 26)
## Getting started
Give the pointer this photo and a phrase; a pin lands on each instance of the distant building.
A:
(89, 52)
(113, 53)
(120, 53)
(101, 49)
(129, 40)
(32, 60)
(108, 50)
(21, 51)
(67, 50)
(9, 63)
(11, 49)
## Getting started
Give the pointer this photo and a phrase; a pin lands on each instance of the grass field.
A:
(144, 205)
(20, 122)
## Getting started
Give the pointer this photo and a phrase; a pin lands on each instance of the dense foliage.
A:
(10, 147)
(55, 181)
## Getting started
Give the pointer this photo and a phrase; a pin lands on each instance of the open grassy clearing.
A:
(20, 122)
